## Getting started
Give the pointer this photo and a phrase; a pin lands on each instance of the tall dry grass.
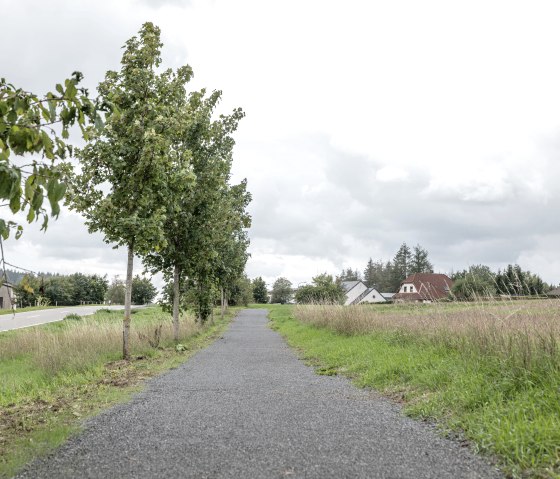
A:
(78, 344)
(524, 333)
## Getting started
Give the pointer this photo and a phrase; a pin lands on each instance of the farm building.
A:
(424, 288)
(358, 293)
(7, 296)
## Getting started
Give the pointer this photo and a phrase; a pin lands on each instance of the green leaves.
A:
(26, 129)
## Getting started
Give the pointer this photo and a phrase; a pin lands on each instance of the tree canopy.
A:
(282, 291)
(33, 147)
(260, 293)
(324, 290)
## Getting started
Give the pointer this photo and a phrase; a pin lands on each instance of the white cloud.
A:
(368, 123)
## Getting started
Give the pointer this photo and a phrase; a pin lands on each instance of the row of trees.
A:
(388, 275)
(167, 163)
(78, 288)
(323, 289)
(480, 281)
(154, 175)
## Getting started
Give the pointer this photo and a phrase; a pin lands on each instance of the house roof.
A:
(554, 292)
(428, 286)
(348, 285)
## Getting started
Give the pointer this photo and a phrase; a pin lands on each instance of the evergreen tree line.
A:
(386, 276)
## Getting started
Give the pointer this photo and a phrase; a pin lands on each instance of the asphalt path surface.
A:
(246, 407)
(43, 316)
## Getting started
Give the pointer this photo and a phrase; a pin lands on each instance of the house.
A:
(7, 296)
(358, 293)
(424, 287)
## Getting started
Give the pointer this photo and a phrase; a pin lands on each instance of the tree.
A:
(281, 291)
(232, 244)
(401, 265)
(60, 290)
(121, 188)
(143, 291)
(419, 262)
(476, 282)
(241, 292)
(27, 125)
(75, 289)
(324, 290)
(516, 282)
(260, 293)
(27, 291)
(116, 292)
(205, 219)
(349, 274)
(379, 275)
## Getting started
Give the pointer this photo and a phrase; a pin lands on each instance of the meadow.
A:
(488, 373)
(55, 375)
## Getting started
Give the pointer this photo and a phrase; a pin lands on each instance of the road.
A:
(34, 318)
(247, 407)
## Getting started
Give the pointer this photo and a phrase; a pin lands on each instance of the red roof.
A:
(427, 286)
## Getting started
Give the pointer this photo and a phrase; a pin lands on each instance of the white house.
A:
(358, 293)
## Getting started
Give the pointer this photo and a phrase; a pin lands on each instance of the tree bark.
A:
(176, 303)
(127, 303)
(222, 303)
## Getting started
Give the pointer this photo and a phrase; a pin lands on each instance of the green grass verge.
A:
(507, 413)
(43, 402)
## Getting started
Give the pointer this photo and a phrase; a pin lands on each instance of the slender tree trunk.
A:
(222, 303)
(176, 303)
(127, 303)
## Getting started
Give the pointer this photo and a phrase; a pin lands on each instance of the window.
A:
(405, 289)
(412, 289)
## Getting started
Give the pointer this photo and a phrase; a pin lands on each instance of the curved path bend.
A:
(246, 407)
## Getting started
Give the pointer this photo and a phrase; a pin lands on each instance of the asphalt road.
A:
(34, 318)
(246, 407)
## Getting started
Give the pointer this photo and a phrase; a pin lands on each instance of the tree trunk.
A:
(127, 303)
(222, 303)
(176, 303)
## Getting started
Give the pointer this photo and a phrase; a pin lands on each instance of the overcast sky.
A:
(369, 123)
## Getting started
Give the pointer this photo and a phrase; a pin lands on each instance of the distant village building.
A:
(358, 293)
(424, 288)
(7, 296)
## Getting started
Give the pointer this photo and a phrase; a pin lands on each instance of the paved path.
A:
(43, 316)
(246, 407)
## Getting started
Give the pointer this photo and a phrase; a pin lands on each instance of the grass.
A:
(55, 375)
(488, 373)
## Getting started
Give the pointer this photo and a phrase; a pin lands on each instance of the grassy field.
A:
(55, 375)
(487, 372)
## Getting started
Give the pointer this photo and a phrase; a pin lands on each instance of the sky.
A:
(368, 123)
